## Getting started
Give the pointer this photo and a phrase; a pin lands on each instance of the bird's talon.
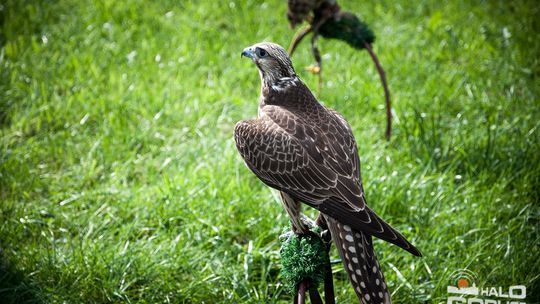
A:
(285, 236)
(326, 236)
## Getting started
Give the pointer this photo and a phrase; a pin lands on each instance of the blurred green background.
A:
(120, 181)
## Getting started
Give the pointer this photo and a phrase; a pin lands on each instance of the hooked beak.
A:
(248, 52)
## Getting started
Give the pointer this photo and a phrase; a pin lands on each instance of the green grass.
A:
(120, 181)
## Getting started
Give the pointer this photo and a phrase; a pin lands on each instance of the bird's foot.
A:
(305, 226)
(286, 236)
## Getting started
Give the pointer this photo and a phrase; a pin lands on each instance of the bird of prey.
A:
(308, 152)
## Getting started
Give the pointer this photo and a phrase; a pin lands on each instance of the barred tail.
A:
(358, 256)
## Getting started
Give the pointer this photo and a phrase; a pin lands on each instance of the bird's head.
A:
(272, 60)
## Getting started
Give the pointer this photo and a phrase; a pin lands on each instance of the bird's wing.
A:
(328, 138)
(281, 161)
(313, 161)
(330, 146)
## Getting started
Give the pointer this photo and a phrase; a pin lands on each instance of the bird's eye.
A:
(261, 52)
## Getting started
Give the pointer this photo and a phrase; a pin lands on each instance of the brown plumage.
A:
(308, 152)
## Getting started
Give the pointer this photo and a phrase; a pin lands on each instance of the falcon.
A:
(308, 153)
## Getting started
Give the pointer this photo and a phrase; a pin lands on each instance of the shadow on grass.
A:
(15, 287)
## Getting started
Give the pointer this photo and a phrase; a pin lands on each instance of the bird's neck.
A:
(284, 85)
(289, 92)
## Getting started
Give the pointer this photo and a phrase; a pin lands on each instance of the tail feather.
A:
(358, 256)
(368, 221)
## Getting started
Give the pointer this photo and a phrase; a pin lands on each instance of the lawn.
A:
(120, 181)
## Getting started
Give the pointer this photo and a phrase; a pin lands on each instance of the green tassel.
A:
(347, 27)
(302, 257)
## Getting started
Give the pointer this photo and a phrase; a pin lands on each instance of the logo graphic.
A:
(463, 290)
(464, 280)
